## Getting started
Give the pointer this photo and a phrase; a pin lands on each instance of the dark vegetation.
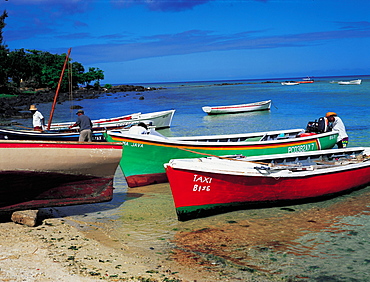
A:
(32, 70)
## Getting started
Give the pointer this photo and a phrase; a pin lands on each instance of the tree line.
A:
(34, 69)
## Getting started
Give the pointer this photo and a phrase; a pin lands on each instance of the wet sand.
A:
(136, 237)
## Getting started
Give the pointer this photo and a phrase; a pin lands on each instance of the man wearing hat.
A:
(85, 124)
(38, 120)
(337, 124)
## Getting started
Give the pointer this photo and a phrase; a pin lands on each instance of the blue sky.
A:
(146, 41)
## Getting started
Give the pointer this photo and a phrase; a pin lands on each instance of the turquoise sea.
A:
(328, 240)
(292, 106)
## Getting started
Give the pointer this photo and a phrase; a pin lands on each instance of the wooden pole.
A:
(58, 88)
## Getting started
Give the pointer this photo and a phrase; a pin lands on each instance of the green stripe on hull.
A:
(191, 212)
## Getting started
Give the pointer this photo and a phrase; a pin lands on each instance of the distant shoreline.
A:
(12, 107)
(277, 80)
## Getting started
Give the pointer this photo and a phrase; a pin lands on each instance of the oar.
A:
(30, 128)
(228, 158)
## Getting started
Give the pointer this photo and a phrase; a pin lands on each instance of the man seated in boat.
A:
(140, 128)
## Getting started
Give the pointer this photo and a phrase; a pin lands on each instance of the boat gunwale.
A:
(50, 143)
(120, 118)
(175, 141)
(257, 104)
(190, 164)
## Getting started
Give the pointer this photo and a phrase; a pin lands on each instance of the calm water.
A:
(331, 238)
(292, 106)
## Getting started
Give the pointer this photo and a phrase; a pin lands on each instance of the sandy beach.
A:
(141, 240)
(57, 251)
(78, 248)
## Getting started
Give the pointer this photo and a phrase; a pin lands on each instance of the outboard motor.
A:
(318, 126)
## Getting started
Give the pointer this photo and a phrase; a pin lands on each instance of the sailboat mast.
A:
(58, 88)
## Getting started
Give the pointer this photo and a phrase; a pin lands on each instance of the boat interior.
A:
(245, 138)
(320, 160)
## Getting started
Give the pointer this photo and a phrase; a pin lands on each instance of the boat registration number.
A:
(302, 148)
(199, 182)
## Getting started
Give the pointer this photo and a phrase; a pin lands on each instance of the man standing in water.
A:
(336, 124)
(85, 124)
(38, 120)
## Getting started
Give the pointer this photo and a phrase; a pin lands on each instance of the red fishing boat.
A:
(306, 80)
(212, 185)
(37, 174)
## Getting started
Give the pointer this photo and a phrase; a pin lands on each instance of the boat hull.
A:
(143, 156)
(61, 132)
(198, 192)
(233, 109)
(159, 120)
(305, 81)
(289, 83)
(352, 82)
(10, 134)
(35, 174)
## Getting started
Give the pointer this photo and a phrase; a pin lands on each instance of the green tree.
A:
(50, 72)
(18, 66)
(3, 53)
(39, 69)
(94, 74)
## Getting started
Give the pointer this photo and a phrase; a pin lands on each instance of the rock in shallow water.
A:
(27, 217)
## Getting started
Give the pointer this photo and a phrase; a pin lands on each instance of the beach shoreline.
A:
(56, 250)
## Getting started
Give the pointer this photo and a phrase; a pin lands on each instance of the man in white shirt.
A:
(337, 124)
(140, 128)
(37, 119)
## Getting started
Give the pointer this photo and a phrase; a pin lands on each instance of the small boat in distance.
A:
(206, 186)
(351, 82)
(290, 83)
(233, 109)
(306, 80)
(40, 174)
(144, 154)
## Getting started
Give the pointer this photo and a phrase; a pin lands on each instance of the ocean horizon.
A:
(275, 79)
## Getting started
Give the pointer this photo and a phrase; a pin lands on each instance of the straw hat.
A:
(328, 114)
(33, 108)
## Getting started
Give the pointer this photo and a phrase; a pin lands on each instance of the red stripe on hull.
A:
(191, 189)
(60, 144)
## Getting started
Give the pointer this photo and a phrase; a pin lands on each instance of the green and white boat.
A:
(144, 155)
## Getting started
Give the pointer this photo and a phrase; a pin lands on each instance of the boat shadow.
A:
(119, 198)
(283, 205)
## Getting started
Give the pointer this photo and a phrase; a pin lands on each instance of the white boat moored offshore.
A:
(351, 82)
(232, 109)
(290, 83)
